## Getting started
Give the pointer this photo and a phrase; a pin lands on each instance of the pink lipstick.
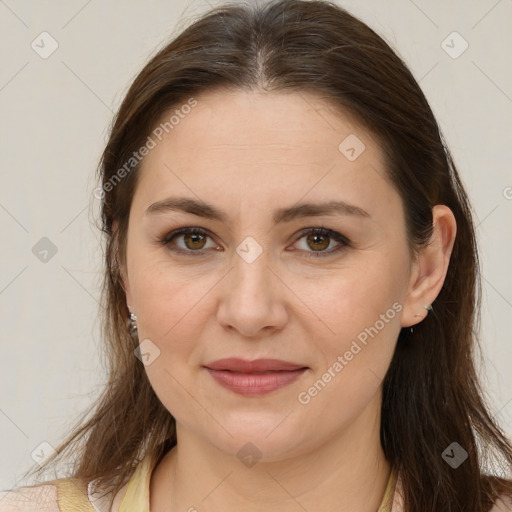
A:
(256, 377)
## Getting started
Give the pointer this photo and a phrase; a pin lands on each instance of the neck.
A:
(348, 472)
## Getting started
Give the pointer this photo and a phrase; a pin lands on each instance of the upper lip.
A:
(258, 365)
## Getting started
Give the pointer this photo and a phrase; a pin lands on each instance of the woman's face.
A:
(258, 283)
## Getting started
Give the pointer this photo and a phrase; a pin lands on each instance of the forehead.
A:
(250, 121)
(236, 144)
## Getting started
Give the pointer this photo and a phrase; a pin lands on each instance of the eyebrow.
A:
(208, 211)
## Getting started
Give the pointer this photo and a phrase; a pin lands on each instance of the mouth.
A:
(253, 378)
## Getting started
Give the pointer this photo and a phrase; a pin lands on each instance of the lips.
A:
(259, 365)
(254, 377)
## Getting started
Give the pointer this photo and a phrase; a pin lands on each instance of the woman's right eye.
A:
(193, 239)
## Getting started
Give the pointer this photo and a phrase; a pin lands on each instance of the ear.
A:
(430, 268)
(122, 269)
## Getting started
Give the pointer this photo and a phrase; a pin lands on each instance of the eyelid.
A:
(342, 240)
(165, 240)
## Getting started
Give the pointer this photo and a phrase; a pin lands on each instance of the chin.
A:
(262, 439)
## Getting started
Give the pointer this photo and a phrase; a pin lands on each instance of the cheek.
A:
(168, 296)
(360, 327)
(347, 300)
(172, 316)
(356, 317)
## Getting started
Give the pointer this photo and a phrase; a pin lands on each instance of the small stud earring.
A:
(133, 320)
(428, 307)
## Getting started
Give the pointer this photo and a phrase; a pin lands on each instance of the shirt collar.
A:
(135, 494)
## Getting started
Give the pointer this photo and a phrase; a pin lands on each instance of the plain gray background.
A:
(55, 114)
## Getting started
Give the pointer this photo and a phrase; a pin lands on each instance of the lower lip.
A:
(255, 384)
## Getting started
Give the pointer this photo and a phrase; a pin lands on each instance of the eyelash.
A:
(317, 231)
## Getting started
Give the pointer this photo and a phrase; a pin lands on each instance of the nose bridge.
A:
(250, 298)
(251, 275)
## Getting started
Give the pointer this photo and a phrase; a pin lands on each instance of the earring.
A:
(133, 320)
(428, 307)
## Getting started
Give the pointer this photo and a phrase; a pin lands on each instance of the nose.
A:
(252, 298)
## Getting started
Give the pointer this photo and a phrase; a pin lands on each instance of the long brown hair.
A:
(431, 393)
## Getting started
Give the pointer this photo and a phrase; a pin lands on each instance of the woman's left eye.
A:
(194, 241)
(316, 237)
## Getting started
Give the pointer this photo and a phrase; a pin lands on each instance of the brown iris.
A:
(313, 237)
(194, 238)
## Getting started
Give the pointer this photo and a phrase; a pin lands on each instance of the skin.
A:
(248, 153)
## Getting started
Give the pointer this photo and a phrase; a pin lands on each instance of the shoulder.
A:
(41, 498)
(59, 495)
(66, 494)
(504, 504)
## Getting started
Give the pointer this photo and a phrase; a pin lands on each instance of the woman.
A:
(291, 285)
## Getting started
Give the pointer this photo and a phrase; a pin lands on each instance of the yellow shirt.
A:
(137, 492)
(68, 494)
